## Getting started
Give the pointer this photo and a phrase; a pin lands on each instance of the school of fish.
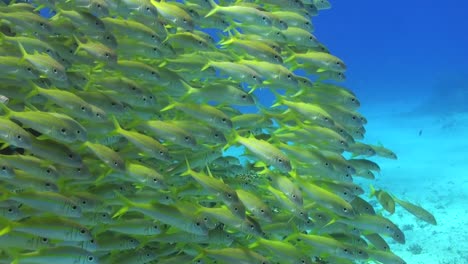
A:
(118, 117)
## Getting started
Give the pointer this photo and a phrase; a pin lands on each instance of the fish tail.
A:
(226, 42)
(292, 57)
(279, 99)
(169, 107)
(190, 91)
(124, 209)
(23, 52)
(206, 66)
(189, 170)
(201, 252)
(35, 90)
(215, 7)
(371, 190)
(232, 139)
(116, 125)
(80, 44)
(6, 110)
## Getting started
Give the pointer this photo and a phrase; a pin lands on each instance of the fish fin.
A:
(4, 146)
(321, 70)
(279, 99)
(172, 104)
(23, 52)
(126, 207)
(43, 137)
(226, 42)
(292, 57)
(215, 7)
(5, 230)
(77, 42)
(372, 191)
(201, 252)
(116, 125)
(189, 170)
(39, 8)
(206, 66)
(102, 176)
(34, 91)
(190, 90)
(232, 140)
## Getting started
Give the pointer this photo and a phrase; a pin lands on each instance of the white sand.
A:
(432, 171)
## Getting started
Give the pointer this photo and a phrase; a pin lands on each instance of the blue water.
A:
(396, 50)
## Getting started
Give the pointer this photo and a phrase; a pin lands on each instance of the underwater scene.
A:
(233, 131)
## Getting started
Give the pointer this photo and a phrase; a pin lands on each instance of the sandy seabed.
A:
(432, 171)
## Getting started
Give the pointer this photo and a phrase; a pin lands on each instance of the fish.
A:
(417, 211)
(137, 131)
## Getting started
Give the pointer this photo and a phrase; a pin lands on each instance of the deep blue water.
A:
(397, 50)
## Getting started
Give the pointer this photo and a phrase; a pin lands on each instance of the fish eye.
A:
(263, 18)
(197, 223)
(90, 258)
(63, 130)
(216, 135)
(78, 131)
(19, 137)
(44, 239)
(70, 156)
(345, 210)
(3, 167)
(161, 152)
(153, 73)
(224, 120)
(74, 207)
(10, 210)
(107, 55)
(187, 138)
(155, 180)
(311, 38)
(82, 231)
